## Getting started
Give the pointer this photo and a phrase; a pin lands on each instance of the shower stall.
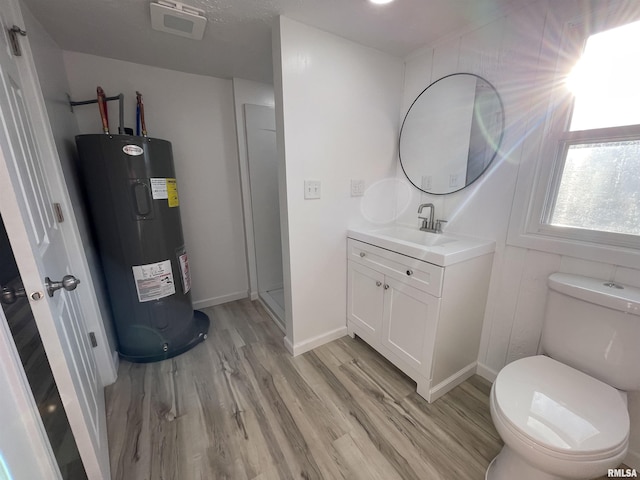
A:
(262, 162)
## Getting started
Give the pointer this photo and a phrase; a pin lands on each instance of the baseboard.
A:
(210, 302)
(253, 296)
(632, 460)
(302, 347)
(452, 382)
(486, 372)
(288, 345)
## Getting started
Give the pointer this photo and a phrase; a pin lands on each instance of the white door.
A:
(40, 251)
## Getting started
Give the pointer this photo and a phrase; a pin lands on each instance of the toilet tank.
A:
(594, 326)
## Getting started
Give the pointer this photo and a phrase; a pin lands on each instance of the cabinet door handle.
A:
(386, 286)
(378, 283)
(409, 272)
(362, 254)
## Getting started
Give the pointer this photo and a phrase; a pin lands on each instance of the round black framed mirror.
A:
(451, 133)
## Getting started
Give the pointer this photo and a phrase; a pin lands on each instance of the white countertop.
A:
(442, 249)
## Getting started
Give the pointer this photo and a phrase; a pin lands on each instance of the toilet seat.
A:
(560, 412)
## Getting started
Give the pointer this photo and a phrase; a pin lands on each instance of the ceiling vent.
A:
(178, 18)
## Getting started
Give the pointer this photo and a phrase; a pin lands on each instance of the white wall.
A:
(337, 119)
(52, 76)
(195, 113)
(254, 93)
(513, 52)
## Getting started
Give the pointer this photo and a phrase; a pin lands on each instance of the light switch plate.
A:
(357, 188)
(311, 189)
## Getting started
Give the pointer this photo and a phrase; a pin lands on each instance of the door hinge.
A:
(57, 210)
(13, 37)
(92, 337)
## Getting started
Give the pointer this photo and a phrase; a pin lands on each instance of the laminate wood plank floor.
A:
(238, 406)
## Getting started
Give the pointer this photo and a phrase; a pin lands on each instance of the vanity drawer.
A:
(415, 273)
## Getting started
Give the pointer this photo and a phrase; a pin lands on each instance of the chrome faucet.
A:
(428, 224)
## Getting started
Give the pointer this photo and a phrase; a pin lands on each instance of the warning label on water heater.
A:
(159, 188)
(186, 274)
(154, 281)
(165, 189)
(172, 192)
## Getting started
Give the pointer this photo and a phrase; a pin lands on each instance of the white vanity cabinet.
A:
(424, 318)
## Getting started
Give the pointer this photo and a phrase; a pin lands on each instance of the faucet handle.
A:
(439, 223)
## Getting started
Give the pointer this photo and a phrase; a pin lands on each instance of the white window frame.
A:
(544, 153)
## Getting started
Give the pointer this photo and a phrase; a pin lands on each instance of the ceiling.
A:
(237, 40)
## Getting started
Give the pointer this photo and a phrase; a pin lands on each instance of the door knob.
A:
(378, 283)
(68, 282)
(386, 286)
(10, 295)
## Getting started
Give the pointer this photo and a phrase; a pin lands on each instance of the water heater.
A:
(131, 189)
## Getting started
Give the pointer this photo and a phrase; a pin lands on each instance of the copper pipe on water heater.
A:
(104, 114)
(141, 112)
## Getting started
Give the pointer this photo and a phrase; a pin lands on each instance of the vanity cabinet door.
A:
(365, 300)
(409, 323)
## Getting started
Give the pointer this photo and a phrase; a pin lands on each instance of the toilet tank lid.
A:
(600, 292)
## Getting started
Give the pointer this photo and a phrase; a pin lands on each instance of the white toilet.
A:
(563, 415)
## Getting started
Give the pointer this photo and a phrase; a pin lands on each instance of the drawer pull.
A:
(362, 254)
(409, 272)
(386, 286)
(378, 283)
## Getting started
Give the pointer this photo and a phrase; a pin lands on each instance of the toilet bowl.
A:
(556, 422)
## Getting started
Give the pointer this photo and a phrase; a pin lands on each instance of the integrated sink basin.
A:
(414, 235)
(438, 248)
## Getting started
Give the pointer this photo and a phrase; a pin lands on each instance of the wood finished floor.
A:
(239, 407)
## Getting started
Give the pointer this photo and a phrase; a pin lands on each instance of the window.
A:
(589, 190)
(596, 182)
(599, 187)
